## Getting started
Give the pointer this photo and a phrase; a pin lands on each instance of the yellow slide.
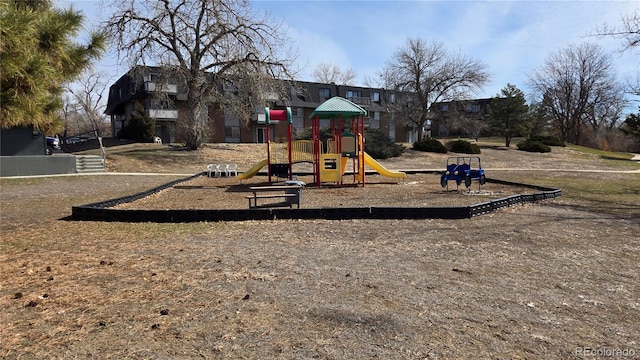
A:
(253, 171)
(372, 163)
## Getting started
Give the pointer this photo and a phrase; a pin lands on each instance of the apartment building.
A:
(162, 98)
(459, 117)
(146, 88)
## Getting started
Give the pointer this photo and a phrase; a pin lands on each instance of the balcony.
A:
(152, 86)
(360, 100)
(163, 114)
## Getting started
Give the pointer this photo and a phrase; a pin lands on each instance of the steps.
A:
(89, 164)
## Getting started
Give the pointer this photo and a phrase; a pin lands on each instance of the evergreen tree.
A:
(631, 125)
(38, 56)
(509, 114)
(139, 128)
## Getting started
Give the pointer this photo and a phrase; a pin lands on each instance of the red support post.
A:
(268, 133)
(317, 149)
(361, 153)
(289, 136)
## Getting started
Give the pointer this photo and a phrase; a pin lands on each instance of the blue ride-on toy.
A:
(463, 168)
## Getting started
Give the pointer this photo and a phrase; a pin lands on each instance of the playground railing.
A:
(301, 150)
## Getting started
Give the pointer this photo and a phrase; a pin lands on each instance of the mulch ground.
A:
(417, 190)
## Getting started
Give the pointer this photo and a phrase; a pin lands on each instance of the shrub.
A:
(430, 145)
(301, 134)
(306, 134)
(463, 147)
(380, 146)
(533, 146)
(548, 140)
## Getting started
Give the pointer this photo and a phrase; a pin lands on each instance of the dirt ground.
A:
(556, 279)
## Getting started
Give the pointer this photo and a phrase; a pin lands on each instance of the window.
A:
(261, 135)
(374, 120)
(392, 98)
(298, 123)
(297, 114)
(324, 93)
(445, 107)
(375, 96)
(473, 108)
(354, 94)
(232, 131)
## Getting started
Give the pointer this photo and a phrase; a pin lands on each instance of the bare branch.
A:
(628, 31)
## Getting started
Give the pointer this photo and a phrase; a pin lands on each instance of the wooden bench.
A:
(292, 194)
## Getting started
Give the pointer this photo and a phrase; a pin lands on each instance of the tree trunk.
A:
(196, 127)
(197, 118)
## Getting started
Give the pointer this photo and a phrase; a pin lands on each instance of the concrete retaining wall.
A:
(37, 165)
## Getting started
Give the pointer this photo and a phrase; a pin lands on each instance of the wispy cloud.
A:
(511, 37)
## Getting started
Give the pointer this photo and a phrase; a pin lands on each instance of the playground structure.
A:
(330, 161)
(281, 156)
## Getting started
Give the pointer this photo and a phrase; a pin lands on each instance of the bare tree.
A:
(331, 73)
(223, 51)
(71, 116)
(577, 87)
(433, 74)
(84, 107)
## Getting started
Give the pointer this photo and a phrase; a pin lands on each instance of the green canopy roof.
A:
(338, 107)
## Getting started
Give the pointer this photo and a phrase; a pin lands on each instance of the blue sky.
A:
(512, 38)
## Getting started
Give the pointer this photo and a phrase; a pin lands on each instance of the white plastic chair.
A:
(232, 169)
(220, 169)
(212, 169)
